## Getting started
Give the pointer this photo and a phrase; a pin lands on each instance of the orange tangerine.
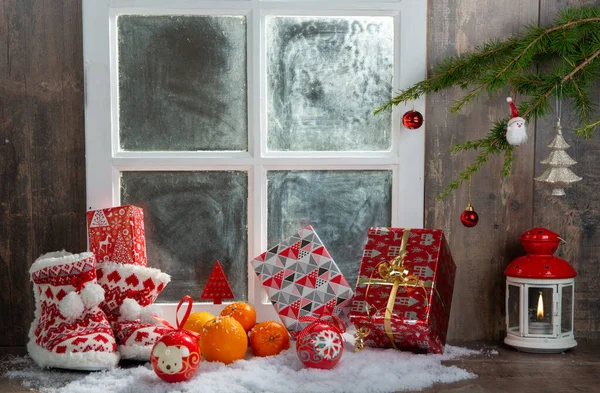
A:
(269, 338)
(196, 320)
(223, 339)
(241, 312)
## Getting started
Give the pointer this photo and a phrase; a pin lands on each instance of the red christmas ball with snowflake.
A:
(175, 357)
(320, 345)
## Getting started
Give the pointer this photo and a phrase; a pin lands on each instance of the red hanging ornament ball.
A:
(469, 217)
(412, 119)
(175, 357)
(320, 344)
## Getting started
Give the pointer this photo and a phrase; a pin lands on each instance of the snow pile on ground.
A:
(371, 370)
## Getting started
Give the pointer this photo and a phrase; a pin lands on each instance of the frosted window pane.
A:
(340, 205)
(182, 82)
(325, 77)
(191, 220)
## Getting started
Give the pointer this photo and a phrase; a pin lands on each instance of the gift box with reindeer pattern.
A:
(116, 234)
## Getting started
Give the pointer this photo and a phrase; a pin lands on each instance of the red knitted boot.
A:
(116, 236)
(69, 329)
(130, 293)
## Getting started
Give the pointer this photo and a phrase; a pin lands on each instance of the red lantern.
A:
(320, 344)
(175, 356)
(540, 296)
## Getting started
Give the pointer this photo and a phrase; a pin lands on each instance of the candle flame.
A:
(540, 307)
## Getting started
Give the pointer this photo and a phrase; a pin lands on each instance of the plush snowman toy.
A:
(516, 132)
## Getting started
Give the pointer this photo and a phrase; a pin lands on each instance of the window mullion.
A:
(256, 216)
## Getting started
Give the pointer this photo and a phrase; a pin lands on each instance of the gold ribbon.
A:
(360, 336)
(427, 285)
(394, 273)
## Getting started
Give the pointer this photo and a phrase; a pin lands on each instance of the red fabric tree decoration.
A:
(217, 288)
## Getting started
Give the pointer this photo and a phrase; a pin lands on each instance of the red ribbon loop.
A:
(190, 303)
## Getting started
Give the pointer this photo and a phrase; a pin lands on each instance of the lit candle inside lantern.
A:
(540, 327)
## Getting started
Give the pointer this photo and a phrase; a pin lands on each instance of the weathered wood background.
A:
(42, 167)
(506, 207)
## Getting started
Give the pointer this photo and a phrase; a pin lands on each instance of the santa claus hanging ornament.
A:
(516, 132)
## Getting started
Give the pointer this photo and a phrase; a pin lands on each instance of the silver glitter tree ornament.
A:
(558, 174)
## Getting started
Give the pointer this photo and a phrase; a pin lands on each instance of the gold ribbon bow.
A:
(394, 273)
(360, 336)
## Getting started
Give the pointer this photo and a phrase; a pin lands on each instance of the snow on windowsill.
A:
(371, 370)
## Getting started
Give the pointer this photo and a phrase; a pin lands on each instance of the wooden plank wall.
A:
(507, 207)
(576, 217)
(42, 166)
(504, 205)
(42, 173)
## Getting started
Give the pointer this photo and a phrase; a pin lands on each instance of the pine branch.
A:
(508, 160)
(515, 62)
(582, 102)
(465, 175)
(494, 143)
(568, 55)
(460, 70)
(543, 99)
(588, 130)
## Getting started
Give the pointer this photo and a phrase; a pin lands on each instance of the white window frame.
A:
(105, 161)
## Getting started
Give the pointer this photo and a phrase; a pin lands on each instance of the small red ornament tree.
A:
(217, 288)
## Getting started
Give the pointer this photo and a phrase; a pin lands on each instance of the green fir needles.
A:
(562, 59)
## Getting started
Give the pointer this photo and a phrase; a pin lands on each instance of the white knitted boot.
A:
(130, 293)
(69, 329)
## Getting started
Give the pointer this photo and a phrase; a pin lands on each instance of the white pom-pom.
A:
(508, 99)
(148, 312)
(130, 310)
(71, 306)
(92, 295)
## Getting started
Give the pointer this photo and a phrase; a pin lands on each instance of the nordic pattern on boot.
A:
(130, 291)
(69, 330)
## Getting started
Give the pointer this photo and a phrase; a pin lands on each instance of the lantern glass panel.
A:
(540, 311)
(566, 307)
(513, 311)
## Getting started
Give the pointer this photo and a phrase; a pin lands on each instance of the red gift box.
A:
(116, 234)
(412, 271)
